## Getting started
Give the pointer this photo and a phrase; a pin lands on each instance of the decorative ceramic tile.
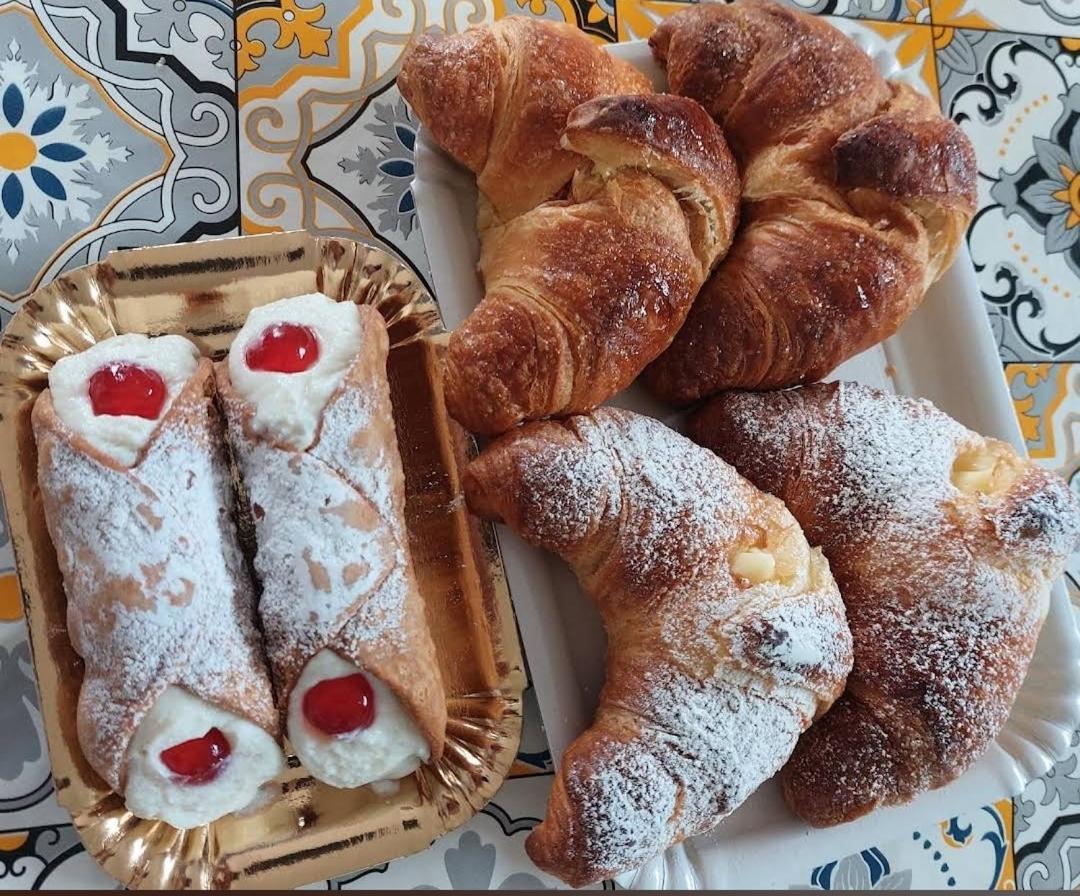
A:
(118, 127)
(1047, 399)
(48, 858)
(596, 18)
(327, 143)
(971, 851)
(1017, 98)
(103, 144)
(913, 46)
(1047, 839)
(488, 853)
(25, 777)
(1057, 17)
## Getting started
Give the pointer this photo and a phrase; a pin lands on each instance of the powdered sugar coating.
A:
(945, 591)
(331, 544)
(710, 680)
(321, 567)
(153, 575)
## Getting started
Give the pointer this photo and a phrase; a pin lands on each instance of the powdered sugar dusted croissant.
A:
(726, 634)
(310, 421)
(175, 711)
(944, 545)
(856, 194)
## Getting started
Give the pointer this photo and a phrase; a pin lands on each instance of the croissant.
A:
(582, 293)
(944, 545)
(856, 195)
(496, 97)
(726, 633)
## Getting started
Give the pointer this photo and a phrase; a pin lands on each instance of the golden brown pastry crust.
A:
(945, 590)
(496, 98)
(582, 293)
(710, 677)
(171, 510)
(857, 192)
(384, 629)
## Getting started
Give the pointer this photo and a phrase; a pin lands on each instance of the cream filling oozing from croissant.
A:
(152, 790)
(122, 437)
(987, 470)
(390, 748)
(289, 406)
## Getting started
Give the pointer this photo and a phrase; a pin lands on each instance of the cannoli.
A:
(175, 710)
(307, 400)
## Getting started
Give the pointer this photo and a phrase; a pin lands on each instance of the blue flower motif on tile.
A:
(47, 156)
(867, 870)
(389, 166)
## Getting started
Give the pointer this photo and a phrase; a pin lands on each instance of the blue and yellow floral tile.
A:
(1017, 97)
(108, 138)
(326, 141)
(971, 851)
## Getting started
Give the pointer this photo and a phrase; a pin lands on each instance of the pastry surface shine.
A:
(351, 654)
(603, 208)
(726, 634)
(944, 545)
(580, 294)
(856, 194)
(496, 98)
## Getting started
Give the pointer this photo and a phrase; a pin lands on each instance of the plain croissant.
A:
(726, 633)
(944, 545)
(857, 192)
(496, 97)
(582, 293)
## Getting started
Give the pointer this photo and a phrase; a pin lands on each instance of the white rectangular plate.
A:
(946, 353)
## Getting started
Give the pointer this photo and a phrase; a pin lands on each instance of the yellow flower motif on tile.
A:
(1036, 420)
(917, 11)
(1007, 874)
(1034, 374)
(17, 151)
(1072, 44)
(1070, 195)
(916, 47)
(540, 8)
(1029, 422)
(296, 25)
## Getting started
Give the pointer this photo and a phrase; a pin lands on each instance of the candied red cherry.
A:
(198, 760)
(122, 389)
(284, 348)
(340, 705)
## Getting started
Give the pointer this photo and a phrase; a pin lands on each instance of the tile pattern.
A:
(115, 133)
(969, 851)
(152, 121)
(1060, 18)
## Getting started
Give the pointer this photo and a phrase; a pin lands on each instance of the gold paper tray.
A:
(311, 831)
